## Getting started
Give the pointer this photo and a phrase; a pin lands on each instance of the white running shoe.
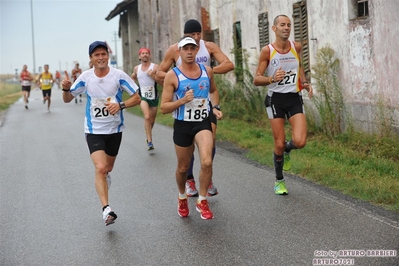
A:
(212, 190)
(109, 216)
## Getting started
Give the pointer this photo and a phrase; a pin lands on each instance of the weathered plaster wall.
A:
(367, 66)
(365, 47)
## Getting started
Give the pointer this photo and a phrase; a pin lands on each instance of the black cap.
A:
(96, 44)
(191, 26)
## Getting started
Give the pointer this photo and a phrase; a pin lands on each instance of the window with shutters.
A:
(263, 25)
(300, 18)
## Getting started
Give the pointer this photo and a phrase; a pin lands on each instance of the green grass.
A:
(359, 165)
(9, 94)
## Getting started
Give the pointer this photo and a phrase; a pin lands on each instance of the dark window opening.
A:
(362, 8)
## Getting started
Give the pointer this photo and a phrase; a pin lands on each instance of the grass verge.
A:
(356, 164)
(9, 94)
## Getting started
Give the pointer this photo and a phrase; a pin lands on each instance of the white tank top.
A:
(203, 56)
(147, 85)
(289, 62)
(143, 78)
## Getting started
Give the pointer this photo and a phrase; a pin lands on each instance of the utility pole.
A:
(115, 59)
(33, 38)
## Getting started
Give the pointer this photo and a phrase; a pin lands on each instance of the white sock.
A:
(201, 198)
(183, 196)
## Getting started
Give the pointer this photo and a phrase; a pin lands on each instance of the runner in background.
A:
(58, 79)
(26, 78)
(148, 91)
(46, 82)
(74, 75)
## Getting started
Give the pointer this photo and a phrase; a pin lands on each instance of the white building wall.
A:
(365, 47)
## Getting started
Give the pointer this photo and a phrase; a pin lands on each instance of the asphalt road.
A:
(50, 213)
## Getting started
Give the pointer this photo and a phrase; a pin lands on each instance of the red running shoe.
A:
(182, 207)
(203, 209)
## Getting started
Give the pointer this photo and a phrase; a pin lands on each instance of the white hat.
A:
(185, 41)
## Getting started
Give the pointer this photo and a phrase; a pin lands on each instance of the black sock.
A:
(278, 165)
(190, 177)
(289, 146)
(105, 207)
(190, 169)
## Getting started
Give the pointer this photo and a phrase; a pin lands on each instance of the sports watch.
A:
(217, 107)
(122, 105)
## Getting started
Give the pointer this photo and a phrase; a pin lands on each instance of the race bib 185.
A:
(196, 110)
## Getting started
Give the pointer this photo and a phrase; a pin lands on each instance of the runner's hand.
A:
(217, 113)
(66, 82)
(308, 87)
(189, 96)
(111, 107)
(279, 75)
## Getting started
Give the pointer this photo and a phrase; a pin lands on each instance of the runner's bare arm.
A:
(134, 74)
(302, 77)
(214, 94)
(166, 64)
(224, 63)
(260, 79)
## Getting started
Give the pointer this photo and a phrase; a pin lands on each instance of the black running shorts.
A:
(46, 93)
(26, 88)
(284, 105)
(184, 132)
(108, 143)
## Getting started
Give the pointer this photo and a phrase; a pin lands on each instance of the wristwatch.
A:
(122, 105)
(217, 107)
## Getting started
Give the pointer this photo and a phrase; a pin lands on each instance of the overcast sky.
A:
(63, 30)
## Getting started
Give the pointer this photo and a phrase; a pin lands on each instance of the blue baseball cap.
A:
(96, 44)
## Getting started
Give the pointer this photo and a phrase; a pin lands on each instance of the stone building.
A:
(363, 34)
